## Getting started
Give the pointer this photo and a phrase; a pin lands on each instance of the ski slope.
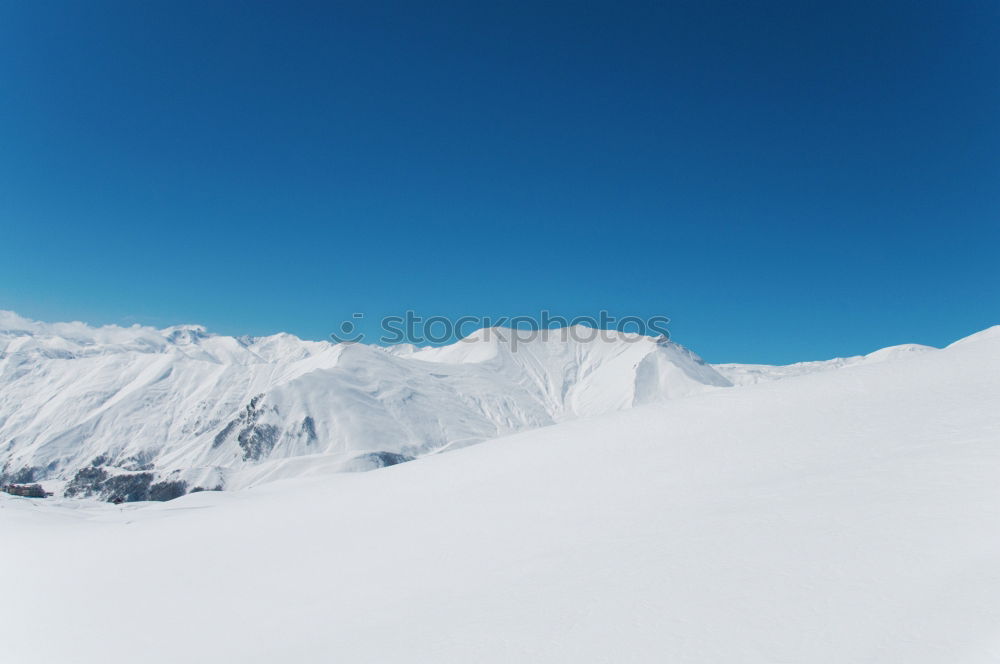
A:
(843, 515)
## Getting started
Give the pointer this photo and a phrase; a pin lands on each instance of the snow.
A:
(747, 374)
(183, 404)
(191, 406)
(850, 514)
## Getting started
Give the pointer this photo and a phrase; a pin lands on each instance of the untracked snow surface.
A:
(844, 515)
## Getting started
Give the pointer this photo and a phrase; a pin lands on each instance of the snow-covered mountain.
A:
(747, 374)
(842, 515)
(135, 413)
(138, 413)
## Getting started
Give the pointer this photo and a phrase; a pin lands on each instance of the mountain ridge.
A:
(85, 409)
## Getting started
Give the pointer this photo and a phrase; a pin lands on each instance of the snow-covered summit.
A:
(989, 333)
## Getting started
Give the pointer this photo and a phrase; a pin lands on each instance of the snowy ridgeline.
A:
(131, 414)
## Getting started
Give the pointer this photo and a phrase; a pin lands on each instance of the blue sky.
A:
(786, 181)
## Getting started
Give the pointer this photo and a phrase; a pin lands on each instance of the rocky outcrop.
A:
(95, 481)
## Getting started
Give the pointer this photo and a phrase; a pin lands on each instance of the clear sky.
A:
(786, 181)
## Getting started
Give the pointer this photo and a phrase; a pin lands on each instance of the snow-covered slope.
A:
(850, 515)
(136, 413)
(748, 374)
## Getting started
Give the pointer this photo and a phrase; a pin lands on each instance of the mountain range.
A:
(841, 511)
(137, 413)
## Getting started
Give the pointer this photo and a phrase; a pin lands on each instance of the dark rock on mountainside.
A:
(374, 460)
(309, 429)
(129, 488)
(95, 482)
(255, 438)
(25, 475)
(199, 489)
(164, 491)
(86, 482)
